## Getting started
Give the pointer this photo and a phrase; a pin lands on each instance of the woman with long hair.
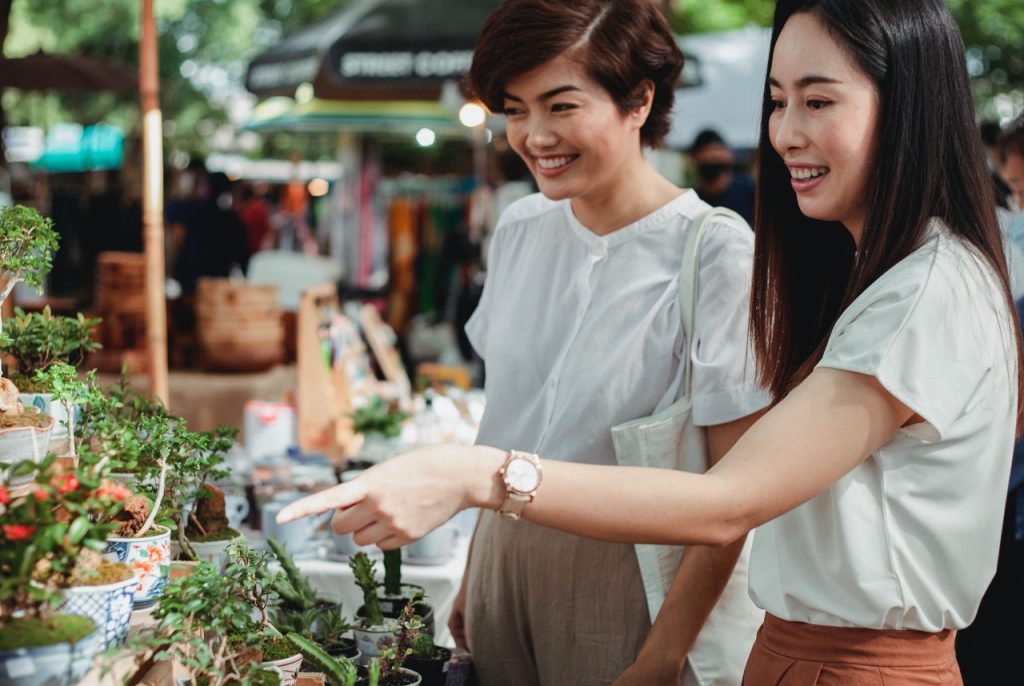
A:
(884, 327)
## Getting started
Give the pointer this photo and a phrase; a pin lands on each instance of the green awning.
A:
(403, 118)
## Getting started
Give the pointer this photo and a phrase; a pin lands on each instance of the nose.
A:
(787, 132)
(540, 134)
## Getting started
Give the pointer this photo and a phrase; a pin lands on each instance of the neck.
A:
(636, 192)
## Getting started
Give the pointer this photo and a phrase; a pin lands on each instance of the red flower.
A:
(40, 495)
(5, 497)
(18, 532)
(114, 490)
(70, 484)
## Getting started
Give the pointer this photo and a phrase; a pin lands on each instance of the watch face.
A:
(522, 475)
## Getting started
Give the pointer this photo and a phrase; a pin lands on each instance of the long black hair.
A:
(929, 162)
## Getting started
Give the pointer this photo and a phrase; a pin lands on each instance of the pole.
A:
(153, 206)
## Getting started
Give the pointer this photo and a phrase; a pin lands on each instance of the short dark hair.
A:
(1011, 141)
(990, 132)
(620, 44)
(704, 139)
(928, 163)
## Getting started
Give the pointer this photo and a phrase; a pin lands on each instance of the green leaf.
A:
(79, 528)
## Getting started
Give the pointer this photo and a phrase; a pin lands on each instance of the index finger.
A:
(333, 498)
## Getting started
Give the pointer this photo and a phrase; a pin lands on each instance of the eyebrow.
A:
(809, 80)
(548, 94)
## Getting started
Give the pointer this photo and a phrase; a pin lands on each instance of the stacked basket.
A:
(239, 325)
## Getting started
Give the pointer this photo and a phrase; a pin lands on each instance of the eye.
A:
(562, 107)
(776, 104)
(818, 104)
(512, 111)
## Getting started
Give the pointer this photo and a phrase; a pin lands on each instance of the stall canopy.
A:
(42, 71)
(365, 116)
(375, 50)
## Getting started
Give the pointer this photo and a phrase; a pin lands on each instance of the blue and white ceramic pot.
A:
(149, 558)
(62, 664)
(108, 606)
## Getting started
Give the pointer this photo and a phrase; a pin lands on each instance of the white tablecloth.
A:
(441, 583)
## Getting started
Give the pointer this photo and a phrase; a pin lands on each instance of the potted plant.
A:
(301, 610)
(38, 341)
(195, 617)
(83, 504)
(397, 594)
(371, 624)
(139, 541)
(64, 391)
(425, 658)
(252, 580)
(27, 242)
(380, 424)
(38, 645)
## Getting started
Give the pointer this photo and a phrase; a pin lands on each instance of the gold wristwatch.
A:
(521, 474)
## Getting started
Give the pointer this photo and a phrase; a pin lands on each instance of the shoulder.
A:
(529, 211)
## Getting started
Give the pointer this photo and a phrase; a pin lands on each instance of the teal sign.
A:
(74, 148)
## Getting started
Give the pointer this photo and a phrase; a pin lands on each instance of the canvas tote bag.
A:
(669, 439)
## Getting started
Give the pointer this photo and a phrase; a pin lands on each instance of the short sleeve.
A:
(476, 326)
(925, 330)
(725, 384)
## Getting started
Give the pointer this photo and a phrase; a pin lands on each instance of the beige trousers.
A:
(546, 608)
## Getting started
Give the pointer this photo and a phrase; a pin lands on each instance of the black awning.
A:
(376, 49)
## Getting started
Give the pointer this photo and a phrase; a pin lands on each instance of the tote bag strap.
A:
(689, 281)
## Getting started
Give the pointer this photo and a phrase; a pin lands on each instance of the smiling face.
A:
(823, 123)
(571, 134)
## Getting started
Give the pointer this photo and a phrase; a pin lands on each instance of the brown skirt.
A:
(797, 654)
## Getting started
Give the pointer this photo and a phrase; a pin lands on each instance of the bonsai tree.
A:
(27, 243)
(196, 616)
(63, 382)
(38, 341)
(47, 537)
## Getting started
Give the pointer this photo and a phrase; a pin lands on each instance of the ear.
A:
(643, 95)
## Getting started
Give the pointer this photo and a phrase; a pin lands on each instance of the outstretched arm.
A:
(818, 433)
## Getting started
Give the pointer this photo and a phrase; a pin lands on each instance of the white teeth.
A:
(807, 173)
(553, 162)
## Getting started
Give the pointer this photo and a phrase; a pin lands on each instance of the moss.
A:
(28, 384)
(107, 573)
(222, 535)
(277, 648)
(36, 633)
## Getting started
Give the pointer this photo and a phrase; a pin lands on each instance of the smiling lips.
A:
(804, 179)
(552, 166)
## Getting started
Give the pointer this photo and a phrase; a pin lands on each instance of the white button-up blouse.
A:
(581, 332)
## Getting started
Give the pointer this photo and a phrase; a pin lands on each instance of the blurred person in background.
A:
(989, 650)
(718, 180)
(990, 133)
(255, 212)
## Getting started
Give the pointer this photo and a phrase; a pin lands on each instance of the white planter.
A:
(287, 667)
(45, 403)
(367, 638)
(62, 664)
(214, 552)
(150, 559)
(108, 606)
(19, 443)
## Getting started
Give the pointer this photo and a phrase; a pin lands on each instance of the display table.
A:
(441, 583)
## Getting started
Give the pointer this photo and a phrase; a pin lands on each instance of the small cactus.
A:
(339, 670)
